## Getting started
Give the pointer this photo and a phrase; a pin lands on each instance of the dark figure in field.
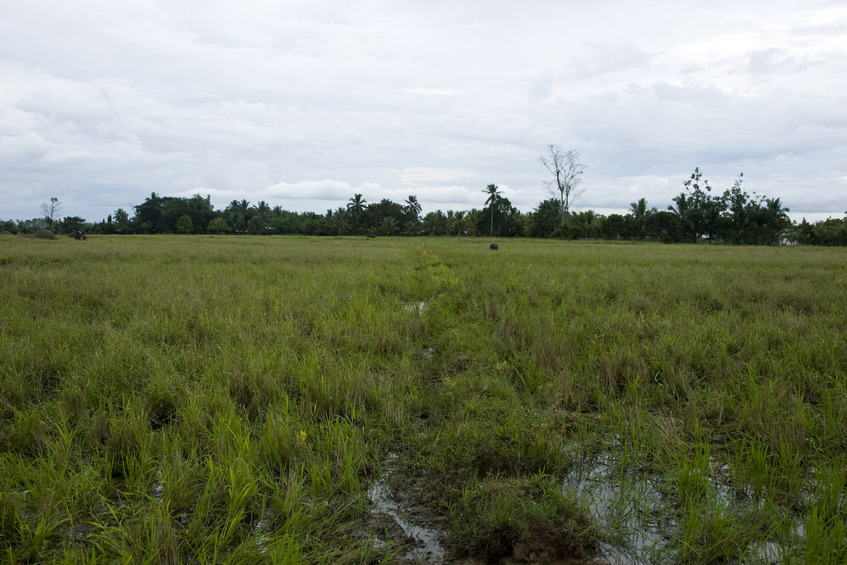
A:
(493, 247)
(78, 235)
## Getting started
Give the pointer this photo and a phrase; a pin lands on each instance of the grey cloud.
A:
(772, 60)
(107, 101)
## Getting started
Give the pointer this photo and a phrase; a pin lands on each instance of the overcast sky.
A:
(302, 104)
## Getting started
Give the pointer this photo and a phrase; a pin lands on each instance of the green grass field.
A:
(188, 399)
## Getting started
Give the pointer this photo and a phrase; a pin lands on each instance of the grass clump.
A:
(525, 518)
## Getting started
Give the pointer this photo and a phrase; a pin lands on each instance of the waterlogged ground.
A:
(420, 400)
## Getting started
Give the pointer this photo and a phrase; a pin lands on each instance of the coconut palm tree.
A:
(776, 218)
(639, 216)
(389, 225)
(460, 217)
(413, 207)
(683, 212)
(356, 204)
(493, 197)
(236, 215)
(355, 207)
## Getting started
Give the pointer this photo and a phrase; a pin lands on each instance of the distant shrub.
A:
(5, 232)
(44, 234)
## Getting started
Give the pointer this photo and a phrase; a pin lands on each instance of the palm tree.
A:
(589, 218)
(236, 215)
(413, 207)
(683, 213)
(355, 207)
(777, 218)
(776, 210)
(335, 221)
(639, 214)
(460, 221)
(356, 204)
(493, 197)
(389, 225)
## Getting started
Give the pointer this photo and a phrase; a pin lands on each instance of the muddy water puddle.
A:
(637, 519)
(630, 511)
(415, 307)
(422, 544)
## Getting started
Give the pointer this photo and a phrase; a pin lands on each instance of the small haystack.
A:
(44, 234)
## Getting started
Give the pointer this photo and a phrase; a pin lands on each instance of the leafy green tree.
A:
(286, 222)
(200, 210)
(71, 223)
(704, 210)
(832, 231)
(493, 193)
(236, 215)
(121, 219)
(311, 224)
(508, 221)
(263, 209)
(474, 222)
(32, 225)
(546, 219)
(184, 224)
(741, 211)
(435, 223)
(585, 224)
(148, 214)
(376, 212)
(663, 226)
(218, 225)
(172, 210)
(256, 225)
(615, 227)
(258, 218)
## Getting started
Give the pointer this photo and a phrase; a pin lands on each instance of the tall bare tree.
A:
(567, 168)
(51, 211)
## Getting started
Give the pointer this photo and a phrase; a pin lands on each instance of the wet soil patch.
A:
(409, 512)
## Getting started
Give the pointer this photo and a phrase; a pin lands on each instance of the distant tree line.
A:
(696, 215)
(58, 226)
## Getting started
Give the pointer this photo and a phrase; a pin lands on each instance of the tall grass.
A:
(165, 399)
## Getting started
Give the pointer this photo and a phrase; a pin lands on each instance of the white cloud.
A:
(421, 175)
(432, 91)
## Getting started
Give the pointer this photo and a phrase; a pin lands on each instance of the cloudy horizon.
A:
(302, 105)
